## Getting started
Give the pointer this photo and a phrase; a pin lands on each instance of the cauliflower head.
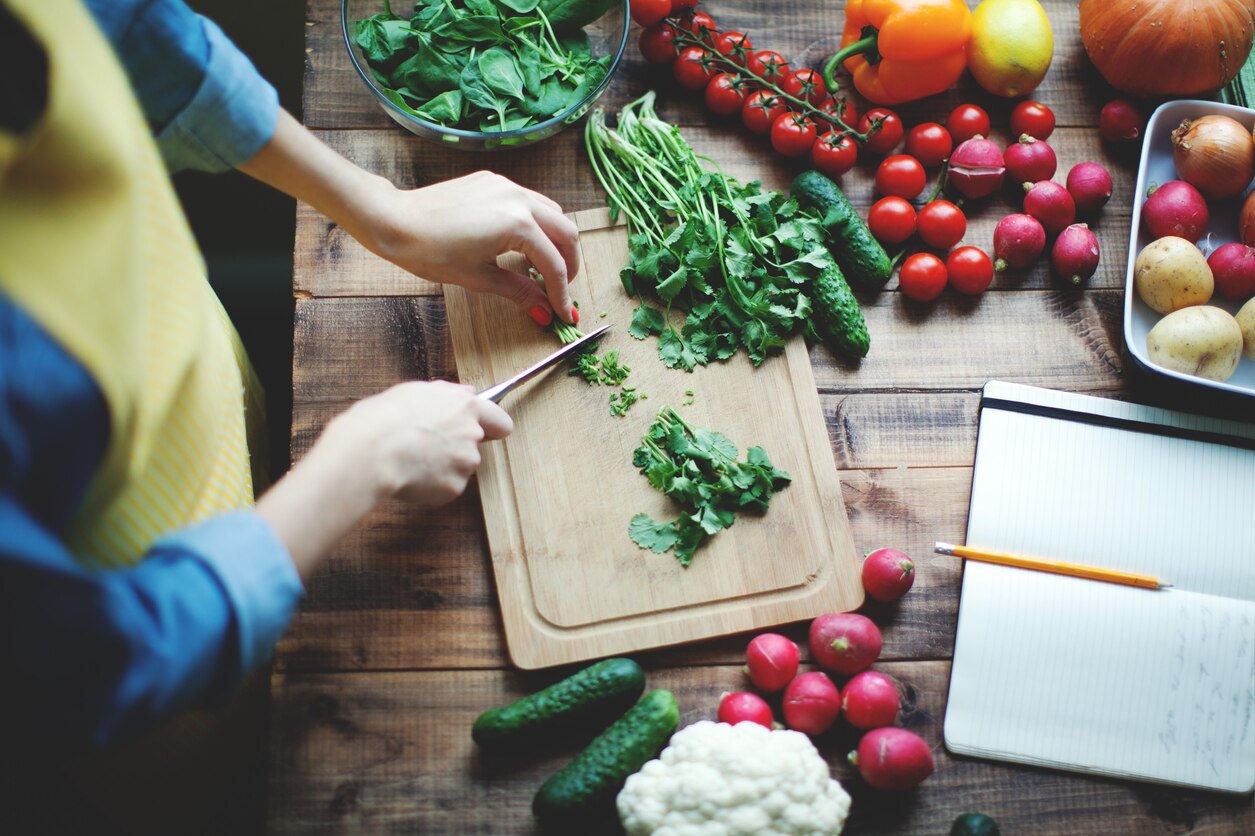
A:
(714, 779)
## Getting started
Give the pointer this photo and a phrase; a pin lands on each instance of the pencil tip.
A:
(1165, 586)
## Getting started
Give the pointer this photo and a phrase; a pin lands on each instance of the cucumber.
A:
(974, 824)
(838, 318)
(591, 697)
(584, 791)
(860, 255)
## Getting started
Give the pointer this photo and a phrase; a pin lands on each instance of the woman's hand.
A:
(450, 232)
(417, 441)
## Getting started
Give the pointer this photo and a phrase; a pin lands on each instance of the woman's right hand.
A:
(420, 440)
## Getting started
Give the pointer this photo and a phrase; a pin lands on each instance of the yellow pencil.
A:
(1092, 573)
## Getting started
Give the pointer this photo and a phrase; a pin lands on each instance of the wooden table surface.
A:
(399, 642)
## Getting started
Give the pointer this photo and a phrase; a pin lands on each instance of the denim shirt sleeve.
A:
(209, 108)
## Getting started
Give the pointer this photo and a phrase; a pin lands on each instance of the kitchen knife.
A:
(497, 392)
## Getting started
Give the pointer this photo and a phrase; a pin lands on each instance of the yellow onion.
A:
(1246, 222)
(1214, 154)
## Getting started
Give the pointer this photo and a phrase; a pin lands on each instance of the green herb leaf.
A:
(646, 322)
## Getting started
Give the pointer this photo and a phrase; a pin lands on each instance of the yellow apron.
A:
(94, 245)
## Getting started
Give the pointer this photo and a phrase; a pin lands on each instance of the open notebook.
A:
(1097, 677)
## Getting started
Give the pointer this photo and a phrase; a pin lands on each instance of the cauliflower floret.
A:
(714, 779)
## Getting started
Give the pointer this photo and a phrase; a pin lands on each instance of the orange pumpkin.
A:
(1167, 47)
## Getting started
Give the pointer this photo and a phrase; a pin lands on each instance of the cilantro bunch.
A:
(484, 65)
(698, 468)
(740, 263)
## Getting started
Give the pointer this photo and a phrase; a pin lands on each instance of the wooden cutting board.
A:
(558, 494)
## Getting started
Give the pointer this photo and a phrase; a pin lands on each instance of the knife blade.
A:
(497, 392)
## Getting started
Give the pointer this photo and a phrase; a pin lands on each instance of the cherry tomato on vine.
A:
(761, 110)
(725, 94)
(966, 121)
(891, 220)
(887, 136)
(692, 68)
(1032, 118)
(806, 85)
(833, 154)
(941, 224)
(842, 108)
(792, 135)
(922, 277)
(702, 25)
(901, 176)
(657, 44)
(735, 45)
(929, 143)
(768, 65)
(970, 270)
(649, 12)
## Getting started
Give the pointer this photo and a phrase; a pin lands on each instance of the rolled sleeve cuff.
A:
(230, 118)
(254, 568)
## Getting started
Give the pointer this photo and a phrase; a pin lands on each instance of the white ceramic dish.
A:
(1157, 167)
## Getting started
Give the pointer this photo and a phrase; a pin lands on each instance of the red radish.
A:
(1018, 241)
(870, 700)
(771, 661)
(1233, 267)
(845, 643)
(890, 758)
(1119, 121)
(1030, 160)
(887, 574)
(976, 168)
(811, 703)
(744, 707)
(1075, 254)
(1176, 208)
(1051, 204)
(1090, 186)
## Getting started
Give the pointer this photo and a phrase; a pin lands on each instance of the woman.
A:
(137, 577)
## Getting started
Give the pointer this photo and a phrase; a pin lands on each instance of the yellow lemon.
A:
(1011, 46)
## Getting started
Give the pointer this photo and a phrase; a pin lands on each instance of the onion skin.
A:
(1167, 48)
(1246, 227)
(1215, 154)
(1176, 208)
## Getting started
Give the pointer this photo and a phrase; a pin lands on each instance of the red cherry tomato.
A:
(842, 108)
(735, 46)
(1032, 118)
(792, 135)
(725, 94)
(833, 154)
(678, 6)
(891, 220)
(966, 121)
(941, 224)
(702, 25)
(657, 44)
(887, 136)
(901, 176)
(970, 270)
(692, 68)
(929, 143)
(922, 277)
(768, 65)
(649, 12)
(761, 110)
(806, 85)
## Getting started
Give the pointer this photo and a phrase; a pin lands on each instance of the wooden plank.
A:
(388, 753)
(337, 98)
(328, 262)
(412, 588)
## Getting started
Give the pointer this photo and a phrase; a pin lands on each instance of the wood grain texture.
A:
(391, 753)
(328, 262)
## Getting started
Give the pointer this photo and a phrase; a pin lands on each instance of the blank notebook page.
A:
(1093, 676)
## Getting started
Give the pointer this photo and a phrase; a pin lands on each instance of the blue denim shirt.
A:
(88, 656)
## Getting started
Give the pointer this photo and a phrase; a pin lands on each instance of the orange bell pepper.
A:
(901, 50)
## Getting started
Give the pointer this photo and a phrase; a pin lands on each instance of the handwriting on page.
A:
(1209, 663)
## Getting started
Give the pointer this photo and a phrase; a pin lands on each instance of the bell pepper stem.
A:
(863, 45)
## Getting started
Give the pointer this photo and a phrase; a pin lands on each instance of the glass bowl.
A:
(607, 38)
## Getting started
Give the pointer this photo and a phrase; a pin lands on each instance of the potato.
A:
(1171, 274)
(1203, 341)
(1246, 321)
